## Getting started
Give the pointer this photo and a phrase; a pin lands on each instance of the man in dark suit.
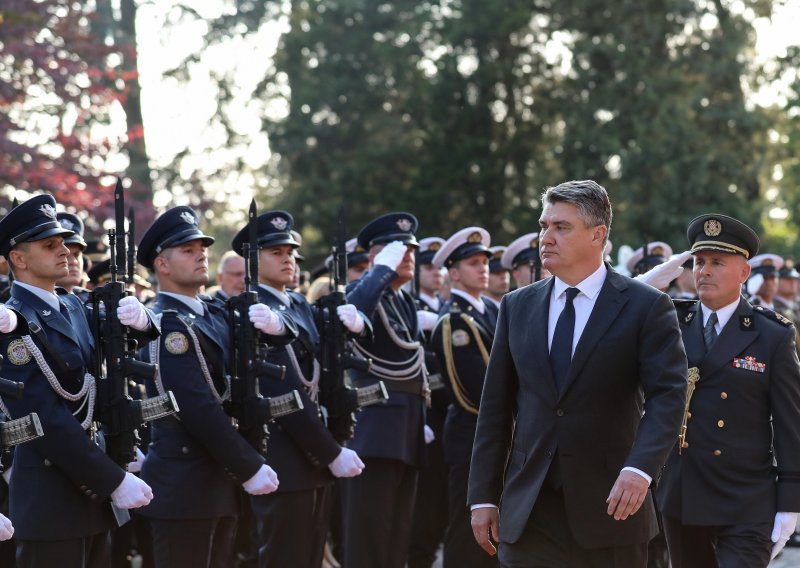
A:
(730, 491)
(584, 428)
(62, 484)
(462, 340)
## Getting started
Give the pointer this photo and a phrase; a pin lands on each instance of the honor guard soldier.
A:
(763, 282)
(521, 258)
(648, 257)
(499, 277)
(430, 509)
(785, 300)
(76, 245)
(730, 490)
(379, 504)
(196, 460)
(462, 340)
(60, 483)
(301, 449)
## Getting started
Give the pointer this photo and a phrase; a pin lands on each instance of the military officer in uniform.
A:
(462, 340)
(521, 258)
(378, 505)
(196, 460)
(648, 257)
(61, 483)
(499, 277)
(76, 245)
(301, 449)
(730, 490)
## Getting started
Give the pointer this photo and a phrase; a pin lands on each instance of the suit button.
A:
(723, 395)
(47, 462)
(184, 450)
(720, 423)
(549, 454)
(717, 452)
(559, 412)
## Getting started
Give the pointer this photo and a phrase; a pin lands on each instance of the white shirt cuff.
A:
(482, 506)
(639, 472)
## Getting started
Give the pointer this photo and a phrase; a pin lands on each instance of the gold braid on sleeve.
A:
(458, 389)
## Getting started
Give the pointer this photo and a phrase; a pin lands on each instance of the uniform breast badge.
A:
(176, 343)
(749, 364)
(17, 353)
(460, 338)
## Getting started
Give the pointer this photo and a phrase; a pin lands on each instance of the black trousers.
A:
(461, 550)
(87, 552)
(378, 506)
(430, 508)
(193, 543)
(292, 527)
(548, 542)
(694, 546)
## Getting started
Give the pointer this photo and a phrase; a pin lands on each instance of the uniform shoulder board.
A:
(774, 316)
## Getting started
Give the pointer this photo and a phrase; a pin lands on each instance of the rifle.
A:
(115, 363)
(336, 355)
(248, 352)
(21, 430)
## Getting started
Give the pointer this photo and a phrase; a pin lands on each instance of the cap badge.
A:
(48, 210)
(475, 238)
(67, 224)
(279, 223)
(434, 246)
(657, 251)
(404, 224)
(498, 254)
(189, 218)
(712, 228)
(534, 243)
(767, 262)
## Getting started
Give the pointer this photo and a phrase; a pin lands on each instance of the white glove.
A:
(131, 493)
(660, 276)
(6, 528)
(264, 481)
(131, 312)
(8, 320)
(266, 320)
(391, 255)
(785, 524)
(429, 435)
(346, 464)
(754, 283)
(427, 320)
(349, 316)
(136, 465)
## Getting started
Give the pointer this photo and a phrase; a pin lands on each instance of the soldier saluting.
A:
(60, 483)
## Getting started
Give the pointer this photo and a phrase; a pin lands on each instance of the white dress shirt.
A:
(724, 314)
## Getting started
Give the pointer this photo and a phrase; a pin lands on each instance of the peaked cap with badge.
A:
(463, 244)
(789, 270)
(766, 264)
(33, 220)
(428, 247)
(177, 226)
(75, 224)
(715, 232)
(387, 228)
(273, 229)
(522, 250)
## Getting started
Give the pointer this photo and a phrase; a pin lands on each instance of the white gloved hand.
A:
(346, 464)
(391, 255)
(427, 320)
(266, 320)
(264, 481)
(131, 493)
(785, 524)
(350, 318)
(6, 528)
(131, 312)
(429, 435)
(8, 320)
(660, 276)
(136, 465)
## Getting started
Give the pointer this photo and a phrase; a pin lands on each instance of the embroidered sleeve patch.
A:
(460, 338)
(176, 343)
(17, 353)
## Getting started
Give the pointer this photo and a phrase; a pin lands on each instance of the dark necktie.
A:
(65, 312)
(710, 331)
(561, 349)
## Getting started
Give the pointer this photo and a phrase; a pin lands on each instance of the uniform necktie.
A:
(710, 331)
(561, 349)
(65, 312)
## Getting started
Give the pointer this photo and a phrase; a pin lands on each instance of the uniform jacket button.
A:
(47, 462)
(559, 412)
(717, 452)
(88, 492)
(184, 450)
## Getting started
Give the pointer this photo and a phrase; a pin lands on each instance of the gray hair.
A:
(589, 198)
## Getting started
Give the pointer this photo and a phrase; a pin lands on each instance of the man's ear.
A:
(16, 259)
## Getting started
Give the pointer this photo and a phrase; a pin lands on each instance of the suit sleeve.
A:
(498, 411)
(663, 378)
(785, 401)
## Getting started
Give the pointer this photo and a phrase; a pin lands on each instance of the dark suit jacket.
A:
(742, 464)
(629, 359)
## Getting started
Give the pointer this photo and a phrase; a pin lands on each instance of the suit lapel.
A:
(731, 342)
(606, 309)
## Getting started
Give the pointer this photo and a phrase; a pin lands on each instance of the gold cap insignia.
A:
(498, 254)
(435, 246)
(475, 238)
(17, 353)
(534, 243)
(712, 228)
(657, 251)
(176, 343)
(404, 224)
(767, 262)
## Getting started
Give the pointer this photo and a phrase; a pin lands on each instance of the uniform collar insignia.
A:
(746, 323)
(46, 313)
